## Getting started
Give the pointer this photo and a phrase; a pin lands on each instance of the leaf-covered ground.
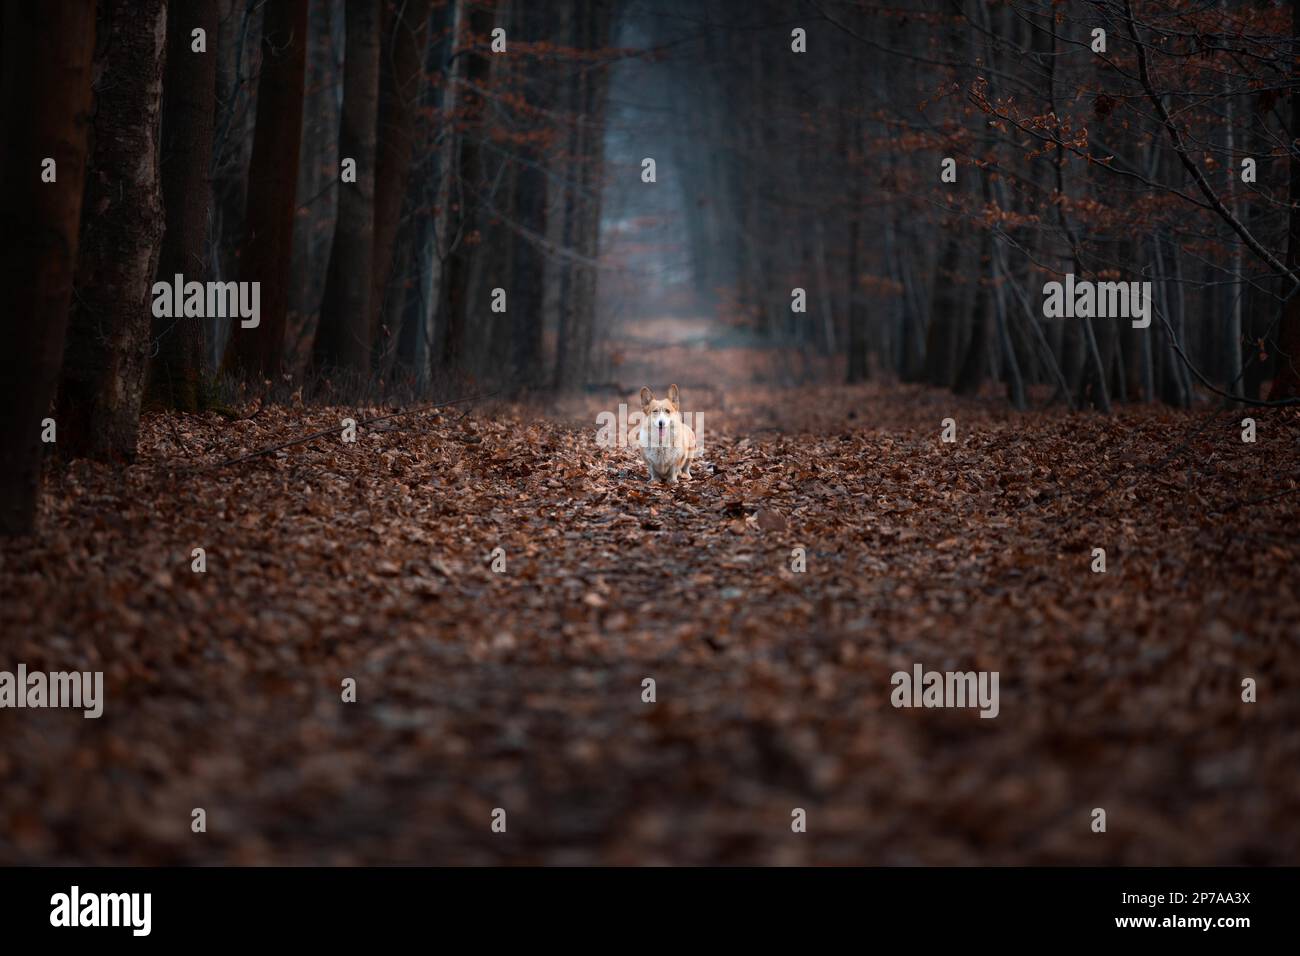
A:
(523, 689)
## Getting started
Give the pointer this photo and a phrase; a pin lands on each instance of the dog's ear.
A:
(672, 394)
(647, 396)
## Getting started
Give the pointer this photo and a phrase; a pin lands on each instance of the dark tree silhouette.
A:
(46, 53)
(404, 27)
(1287, 382)
(467, 185)
(343, 336)
(189, 99)
(272, 183)
(106, 358)
(527, 281)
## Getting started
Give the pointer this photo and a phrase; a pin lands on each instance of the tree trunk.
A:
(593, 181)
(571, 96)
(496, 269)
(528, 262)
(46, 52)
(189, 90)
(970, 375)
(415, 353)
(343, 335)
(272, 189)
(1171, 366)
(404, 29)
(856, 342)
(489, 351)
(1286, 382)
(318, 178)
(1014, 379)
(239, 35)
(573, 347)
(823, 290)
(946, 314)
(467, 183)
(106, 357)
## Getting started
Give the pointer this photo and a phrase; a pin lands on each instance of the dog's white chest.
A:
(661, 449)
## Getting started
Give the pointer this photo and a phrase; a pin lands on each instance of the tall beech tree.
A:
(189, 99)
(318, 176)
(272, 183)
(404, 26)
(106, 358)
(586, 91)
(46, 57)
(528, 259)
(343, 335)
(466, 187)
(1286, 384)
(415, 283)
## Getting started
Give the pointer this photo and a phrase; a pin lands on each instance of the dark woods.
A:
(1117, 141)
(436, 163)
(416, 190)
(376, 169)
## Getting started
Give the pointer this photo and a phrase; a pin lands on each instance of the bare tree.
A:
(46, 53)
(527, 281)
(587, 98)
(272, 182)
(189, 99)
(1287, 382)
(343, 336)
(106, 358)
(466, 187)
(402, 46)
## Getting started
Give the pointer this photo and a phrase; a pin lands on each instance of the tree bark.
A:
(593, 184)
(529, 266)
(46, 53)
(467, 182)
(318, 178)
(106, 358)
(404, 28)
(970, 374)
(571, 96)
(343, 336)
(1286, 381)
(272, 189)
(416, 353)
(238, 37)
(189, 101)
(856, 340)
(946, 314)
(573, 348)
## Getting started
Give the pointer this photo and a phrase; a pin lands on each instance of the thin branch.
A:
(1189, 164)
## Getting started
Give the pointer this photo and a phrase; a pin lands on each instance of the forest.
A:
(985, 313)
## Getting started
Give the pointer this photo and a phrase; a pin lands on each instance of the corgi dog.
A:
(667, 443)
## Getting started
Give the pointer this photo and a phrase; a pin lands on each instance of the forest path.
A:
(699, 354)
(522, 689)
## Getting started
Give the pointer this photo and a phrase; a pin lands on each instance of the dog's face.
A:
(662, 414)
